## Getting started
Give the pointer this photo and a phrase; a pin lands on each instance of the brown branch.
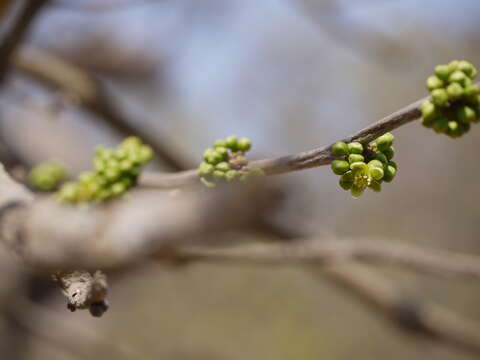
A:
(410, 314)
(58, 73)
(324, 252)
(14, 30)
(304, 160)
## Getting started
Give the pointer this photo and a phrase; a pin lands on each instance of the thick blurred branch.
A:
(413, 315)
(14, 30)
(324, 252)
(70, 79)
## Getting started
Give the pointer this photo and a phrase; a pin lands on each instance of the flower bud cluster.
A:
(454, 99)
(115, 171)
(225, 161)
(361, 167)
(47, 176)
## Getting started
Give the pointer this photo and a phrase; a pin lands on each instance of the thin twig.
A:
(304, 160)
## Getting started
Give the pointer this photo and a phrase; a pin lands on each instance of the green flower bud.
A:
(359, 167)
(205, 169)
(118, 188)
(131, 142)
(357, 191)
(232, 143)
(389, 153)
(389, 173)
(455, 91)
(441, 125)
(223, 151)
(104, 194)
(457, 77)
(145, 153)
(220, 143)
(344, 183)
(375, 163)
(99, 164)
(223, 166)
(86, 176)
(352, 158)
(340, 167)
(244, 144)
(112, 174)
(375, 186)
(471, 93)
(440, 97)
(376, 172)
(393, 164)
(433, 83)
(355, 148)
(381, 157)
(467, 68)
(231, 175)
(112, 164)
(218, 175)
(126, 165)
(384, 141)
(466, 114)
(214, 157)
(442, 71)
(340, 148)
(453, 65)
(428, 110)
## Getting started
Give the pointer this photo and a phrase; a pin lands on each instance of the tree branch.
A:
(58, 73)
(415, 316)
(15, 29)
(304, 160)
(324, 252)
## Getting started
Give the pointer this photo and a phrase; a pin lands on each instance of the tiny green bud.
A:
(340, 167)
(375, 186)
(376, 172)
(433, 83)
(223, 151)
(428, 110)
(440, 125)
(357, 191)
(384, 141)
(118, 188)
(218, 175)
(453, 65)
(86, 176)
(389, 153)
(126, 165)
(389, 173)
(457, 77)
(222, 166)
(375, 163)
(232, 143)
(344, 183)
(244, 144)
(455, 91)
(205, 169)
(145, 153)
(219, 143)
(231, 175)
(381, 157)
(352, 158)
(440, 97)
(442, 71)
(355, 148)
(358, 166)
(467, 68)
(393, 164)
(340, 148)
(466, 114)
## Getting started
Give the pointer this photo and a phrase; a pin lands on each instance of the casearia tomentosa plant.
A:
(115, 171)
(47, 176)
(361, 167)
(455, 100)
(225, 161)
